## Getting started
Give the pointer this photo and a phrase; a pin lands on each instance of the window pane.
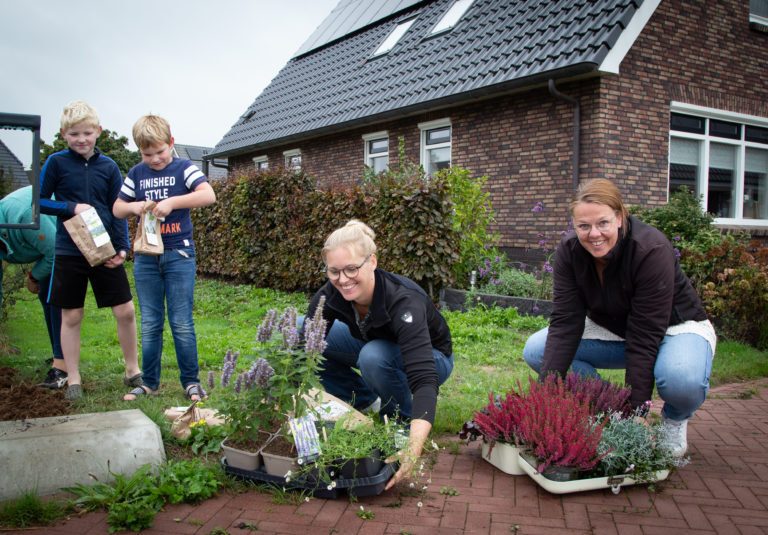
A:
(724, 129)
(452, 16)
(722, 184)
(378, 145)
(263, 165)
(379, 164)
(438, 159)
(756, 184)
(439, 135)
(687, 123)
(394, 37)
(683, 165)
(756, 134)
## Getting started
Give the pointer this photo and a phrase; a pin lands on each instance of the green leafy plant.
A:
(187, 481)
(132, 502)
(205, 439)
(365, 514)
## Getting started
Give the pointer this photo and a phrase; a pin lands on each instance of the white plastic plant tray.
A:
(579, 485)
(504, 457)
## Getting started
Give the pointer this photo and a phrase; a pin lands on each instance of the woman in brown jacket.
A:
(621, 301)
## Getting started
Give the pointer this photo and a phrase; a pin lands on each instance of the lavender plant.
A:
(256, 402)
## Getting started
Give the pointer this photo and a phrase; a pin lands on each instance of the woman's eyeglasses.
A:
(349, 271)
(602, 226)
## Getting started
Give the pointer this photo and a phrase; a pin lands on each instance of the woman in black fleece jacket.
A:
(389, 348)
(621, 301)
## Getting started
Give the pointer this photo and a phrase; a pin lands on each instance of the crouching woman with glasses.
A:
(389, 348)
(621, 301)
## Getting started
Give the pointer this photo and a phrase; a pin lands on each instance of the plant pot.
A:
(237, 458)
(579, 485)
(504, 457)
(361, 467)
(279, 465)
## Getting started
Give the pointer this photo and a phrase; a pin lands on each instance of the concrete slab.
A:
(43, 455)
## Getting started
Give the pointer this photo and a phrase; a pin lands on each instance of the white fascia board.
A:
(615, 56)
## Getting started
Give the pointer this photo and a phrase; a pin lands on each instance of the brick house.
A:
(537, 95)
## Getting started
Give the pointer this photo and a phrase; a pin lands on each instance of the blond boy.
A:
(79, 178)
(166, 281)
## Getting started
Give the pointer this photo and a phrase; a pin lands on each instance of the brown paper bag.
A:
(148, 240)
(180, 428)
(87, 231)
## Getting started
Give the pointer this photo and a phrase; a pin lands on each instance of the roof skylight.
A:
(452, 16)
(391, 40)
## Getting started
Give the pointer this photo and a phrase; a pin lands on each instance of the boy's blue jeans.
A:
(682, 368)
(160, 280)
(381, 372)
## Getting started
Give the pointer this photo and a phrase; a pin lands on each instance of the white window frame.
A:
(702, 180)
(258, 160)
(424, 149)
(374, 136)
(451, 17)
(394, 37)
(288, 155)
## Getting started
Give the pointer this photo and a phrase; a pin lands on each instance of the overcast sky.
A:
(197, 63)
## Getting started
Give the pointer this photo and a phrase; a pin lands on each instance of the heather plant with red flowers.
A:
(558, 427)
(498, 421)
(602, 396)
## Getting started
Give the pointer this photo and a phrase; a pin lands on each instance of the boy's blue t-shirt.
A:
(178, 178)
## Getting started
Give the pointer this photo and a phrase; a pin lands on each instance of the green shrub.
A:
(29, 510)
(513, 281)
(472, 217)
(683, 221)
(729, 274)
(268, 228)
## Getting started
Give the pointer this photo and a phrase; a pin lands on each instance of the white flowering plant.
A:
(257, 402)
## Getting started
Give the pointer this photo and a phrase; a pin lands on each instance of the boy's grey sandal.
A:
(136, 380)
(73, 392)
(194, 389)
(139, 391)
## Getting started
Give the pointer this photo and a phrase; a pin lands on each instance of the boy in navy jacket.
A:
(80, 178)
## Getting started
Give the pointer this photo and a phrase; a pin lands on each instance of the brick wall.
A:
(694, 52)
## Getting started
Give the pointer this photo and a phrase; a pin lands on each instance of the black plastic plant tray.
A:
(359, 487)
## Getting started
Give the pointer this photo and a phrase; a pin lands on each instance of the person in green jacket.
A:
(25, 246)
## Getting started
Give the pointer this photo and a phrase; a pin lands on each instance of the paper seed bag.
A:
(148, 240)
(87, 231)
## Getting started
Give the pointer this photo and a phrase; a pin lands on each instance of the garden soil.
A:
(20, 400)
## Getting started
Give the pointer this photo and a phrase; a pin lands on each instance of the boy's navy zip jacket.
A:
(70, 179)
(403, 313)
(644, 291)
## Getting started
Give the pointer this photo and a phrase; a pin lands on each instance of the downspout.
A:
(576, 129)
(207, 162)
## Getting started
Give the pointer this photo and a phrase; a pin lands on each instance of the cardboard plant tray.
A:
(579, 485)
(359, 487)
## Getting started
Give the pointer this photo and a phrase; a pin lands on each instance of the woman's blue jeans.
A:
(358, 372)
(168, 279)
(682, 368)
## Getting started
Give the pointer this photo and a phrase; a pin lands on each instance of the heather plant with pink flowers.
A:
(558, 427)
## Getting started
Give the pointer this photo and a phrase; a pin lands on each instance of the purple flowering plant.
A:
(257, 394)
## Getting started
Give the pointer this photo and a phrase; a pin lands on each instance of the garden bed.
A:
(454, 299)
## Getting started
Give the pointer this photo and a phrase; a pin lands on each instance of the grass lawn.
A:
(488, 347)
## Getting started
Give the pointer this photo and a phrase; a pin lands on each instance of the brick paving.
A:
(724, 490)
